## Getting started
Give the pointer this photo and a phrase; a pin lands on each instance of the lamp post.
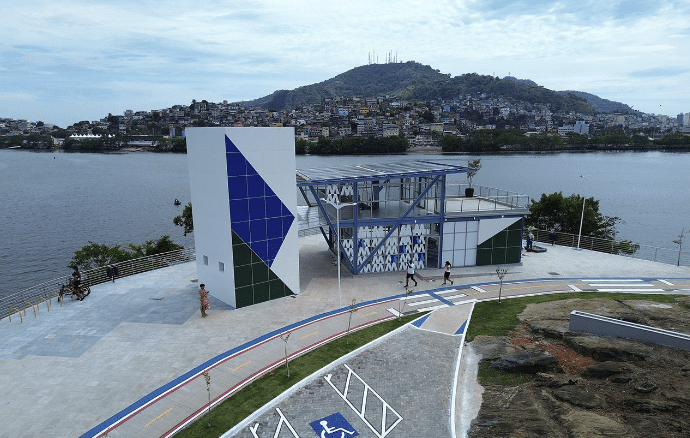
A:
(337, 207)
(582, 217)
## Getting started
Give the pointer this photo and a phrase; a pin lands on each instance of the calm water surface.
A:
(55, 203)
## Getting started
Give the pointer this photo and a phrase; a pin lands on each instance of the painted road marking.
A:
(446, 291)
(429, 309)
(612, 279)
(310, 334)
(420, 303)
(455, 296)
(244, 364)
(478, 289)
(630, 290)
(158, 417)
(387, 413)
(395, 312)
(369, 314)
(666, 282)
(282, 421)
(574, 288)
(418, 296)
(620, 285)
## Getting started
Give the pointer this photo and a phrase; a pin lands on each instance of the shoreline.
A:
(413, 150)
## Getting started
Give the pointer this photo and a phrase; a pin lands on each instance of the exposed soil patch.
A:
(585, 385)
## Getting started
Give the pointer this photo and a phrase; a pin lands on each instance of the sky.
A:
(73, 60)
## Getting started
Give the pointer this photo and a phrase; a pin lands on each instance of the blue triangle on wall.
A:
(258, 223)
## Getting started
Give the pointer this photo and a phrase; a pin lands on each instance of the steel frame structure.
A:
(429, 172)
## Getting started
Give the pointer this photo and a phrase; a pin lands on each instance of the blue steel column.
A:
(442, 223)
(355, 227)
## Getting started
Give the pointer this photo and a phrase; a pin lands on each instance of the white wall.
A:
(271, 152)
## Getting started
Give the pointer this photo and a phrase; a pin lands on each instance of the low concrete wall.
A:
(603, 326)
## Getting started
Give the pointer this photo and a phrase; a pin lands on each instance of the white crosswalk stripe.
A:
(617, 285)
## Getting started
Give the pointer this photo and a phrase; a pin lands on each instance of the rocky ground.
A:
(584, 385)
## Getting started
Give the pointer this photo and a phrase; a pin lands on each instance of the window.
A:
(206, 260)
(221, 266)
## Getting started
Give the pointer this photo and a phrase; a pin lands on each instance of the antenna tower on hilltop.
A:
(391, 58)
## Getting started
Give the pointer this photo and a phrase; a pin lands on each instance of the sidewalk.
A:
(141, 338)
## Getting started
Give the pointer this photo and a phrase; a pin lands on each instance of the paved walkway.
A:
(130, 357)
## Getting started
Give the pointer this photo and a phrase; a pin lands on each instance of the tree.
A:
(150, 247)
(555, 212)
(473, 167)
(185, 220)
(94, 255)
(427, 116)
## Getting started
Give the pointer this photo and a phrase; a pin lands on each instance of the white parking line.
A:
(478, 289)
(630, 290)
(666, 282)
(574, 288)
(446, 291)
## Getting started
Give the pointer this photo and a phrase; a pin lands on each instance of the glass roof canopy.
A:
(374, 171)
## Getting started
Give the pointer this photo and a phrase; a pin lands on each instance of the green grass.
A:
(243, 403)
(492, 318)
(491, 376)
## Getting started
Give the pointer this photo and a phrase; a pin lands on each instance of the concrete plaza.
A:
(128, 360)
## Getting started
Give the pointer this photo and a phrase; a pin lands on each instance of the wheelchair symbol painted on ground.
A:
(333, 426)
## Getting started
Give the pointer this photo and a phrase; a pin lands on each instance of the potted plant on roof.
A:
(472, 169)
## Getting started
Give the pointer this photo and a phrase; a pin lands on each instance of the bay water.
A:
(54, 203)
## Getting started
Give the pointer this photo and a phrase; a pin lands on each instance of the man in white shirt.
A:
(410, 275)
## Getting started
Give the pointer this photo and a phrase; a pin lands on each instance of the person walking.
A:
(410, 275)
(446, 274)
(203, 300)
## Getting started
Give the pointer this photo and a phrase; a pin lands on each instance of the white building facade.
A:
(242, 183)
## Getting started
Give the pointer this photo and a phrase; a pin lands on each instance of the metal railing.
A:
(619, 247)
(45, 291)
(500, 198)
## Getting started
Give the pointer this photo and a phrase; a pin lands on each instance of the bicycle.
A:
(81, 291)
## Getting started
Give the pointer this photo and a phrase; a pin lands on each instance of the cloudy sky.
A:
(72, 60)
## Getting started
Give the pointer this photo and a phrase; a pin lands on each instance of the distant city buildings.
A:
(422, 123)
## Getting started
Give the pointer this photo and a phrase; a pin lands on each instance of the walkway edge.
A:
(458, 363)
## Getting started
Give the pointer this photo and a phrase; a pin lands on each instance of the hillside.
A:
(414, 81)
(602, 105)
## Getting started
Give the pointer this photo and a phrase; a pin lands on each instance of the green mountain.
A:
(413, 81)
(602, 105)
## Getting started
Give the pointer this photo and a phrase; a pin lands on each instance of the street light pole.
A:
(582, 217)
(337, 207)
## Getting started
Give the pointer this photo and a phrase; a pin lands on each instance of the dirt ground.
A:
(585, 385)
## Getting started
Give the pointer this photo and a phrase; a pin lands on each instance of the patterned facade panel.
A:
(259, 217)
(503, 247)
(407, 244)
(255, 282)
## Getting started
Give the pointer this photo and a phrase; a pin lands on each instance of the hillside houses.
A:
(422, 123)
